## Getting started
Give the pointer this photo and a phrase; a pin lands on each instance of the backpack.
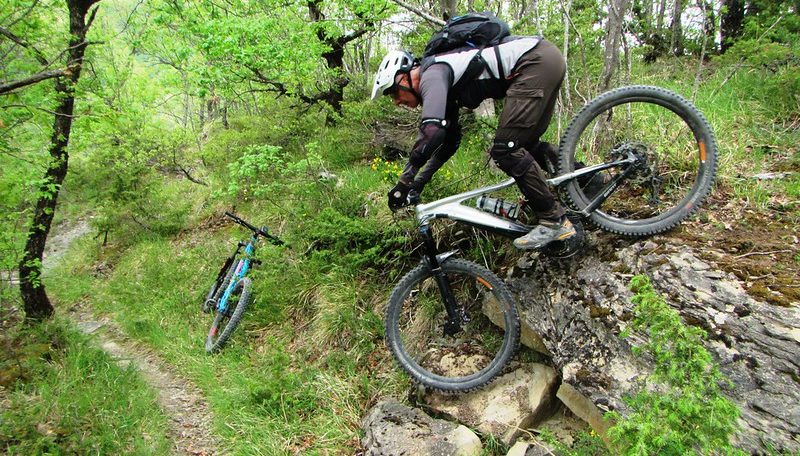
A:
(477, 30)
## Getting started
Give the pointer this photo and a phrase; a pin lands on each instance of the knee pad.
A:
(512, 159)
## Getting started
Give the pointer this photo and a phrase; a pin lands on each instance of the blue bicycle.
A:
(230, 294)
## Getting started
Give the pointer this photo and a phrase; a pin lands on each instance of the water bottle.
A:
(498, 206)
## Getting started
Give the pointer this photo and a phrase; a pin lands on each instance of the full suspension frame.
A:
(452, 209)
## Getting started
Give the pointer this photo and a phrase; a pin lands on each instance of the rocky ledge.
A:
(573, 311)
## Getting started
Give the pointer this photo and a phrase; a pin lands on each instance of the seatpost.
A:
(454, 318)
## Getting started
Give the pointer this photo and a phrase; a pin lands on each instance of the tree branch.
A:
(36, 53)
(38, 77)
(427, 16)
(28, 11)
(92, 15)
(186, 173)
(41, 109)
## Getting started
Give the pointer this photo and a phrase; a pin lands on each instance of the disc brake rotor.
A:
(645, 173)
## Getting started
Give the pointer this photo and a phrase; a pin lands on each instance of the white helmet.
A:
(393, 63)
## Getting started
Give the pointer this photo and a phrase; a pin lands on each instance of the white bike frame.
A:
(451, 207)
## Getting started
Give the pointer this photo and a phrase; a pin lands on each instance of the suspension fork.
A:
(454, 315)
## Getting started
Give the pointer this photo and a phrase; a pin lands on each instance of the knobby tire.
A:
(223, 325)
(619, 99)
(411, 285)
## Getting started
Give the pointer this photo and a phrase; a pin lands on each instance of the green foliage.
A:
(351, 242)
(67, 397)
(681, 409)
(263, 170)
(389, 171)
(586, 443)
(770, 46)
(284, 391)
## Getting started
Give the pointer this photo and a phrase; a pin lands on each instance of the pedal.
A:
(568, 247)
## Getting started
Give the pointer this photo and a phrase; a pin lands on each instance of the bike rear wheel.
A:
(225, 322)
(676, 144)
(469, 359)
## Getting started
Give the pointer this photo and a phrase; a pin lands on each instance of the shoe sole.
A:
(538, 246)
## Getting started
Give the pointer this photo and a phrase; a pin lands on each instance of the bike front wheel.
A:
(677, 156)
(470, 358)
(225, 322)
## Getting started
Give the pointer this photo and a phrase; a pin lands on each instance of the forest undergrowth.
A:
(309, 359)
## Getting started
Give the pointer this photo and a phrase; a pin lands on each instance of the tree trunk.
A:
(565, 52)
(662, 9)
(36, 303)
(449, 8)
(676, 41)
(731, 22)
(649, 30)
(334, 58)
(709, 27)
(616, 17)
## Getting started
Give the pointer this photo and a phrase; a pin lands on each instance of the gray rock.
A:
(756, 345)
(770, 176)
(512, 403)
(578, 307)
(393, 429)
(527, 337)
(534, 448)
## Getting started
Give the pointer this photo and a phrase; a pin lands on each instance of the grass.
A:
(309, 358)
(300, 370)
(62, 395)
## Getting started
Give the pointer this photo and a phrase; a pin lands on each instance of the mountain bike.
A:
(230, 294)
(453, 324)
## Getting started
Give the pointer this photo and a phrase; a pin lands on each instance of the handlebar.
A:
(257, 231)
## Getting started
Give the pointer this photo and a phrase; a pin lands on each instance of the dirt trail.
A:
(189, 415)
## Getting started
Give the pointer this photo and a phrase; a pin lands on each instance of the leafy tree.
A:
(293, 49)
(80, 18)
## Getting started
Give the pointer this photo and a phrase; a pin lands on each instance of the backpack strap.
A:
(474, 69)
(500, 73)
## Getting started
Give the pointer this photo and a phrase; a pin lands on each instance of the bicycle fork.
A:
(455, 315)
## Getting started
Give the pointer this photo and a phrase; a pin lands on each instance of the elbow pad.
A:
(432, 136)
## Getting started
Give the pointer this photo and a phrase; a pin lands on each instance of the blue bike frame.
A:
(241, 270)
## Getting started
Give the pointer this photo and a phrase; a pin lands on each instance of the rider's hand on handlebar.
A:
(398, 196)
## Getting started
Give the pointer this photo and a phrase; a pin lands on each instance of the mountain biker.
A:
(529, 76)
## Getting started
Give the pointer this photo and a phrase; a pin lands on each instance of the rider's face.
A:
(403, 95)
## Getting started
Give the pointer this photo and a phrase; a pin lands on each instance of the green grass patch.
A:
(299, 371)
(61, 395)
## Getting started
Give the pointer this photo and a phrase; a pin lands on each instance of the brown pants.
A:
(529, 104)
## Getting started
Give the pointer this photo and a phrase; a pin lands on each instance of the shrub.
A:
(351, 242)
(686, 412)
